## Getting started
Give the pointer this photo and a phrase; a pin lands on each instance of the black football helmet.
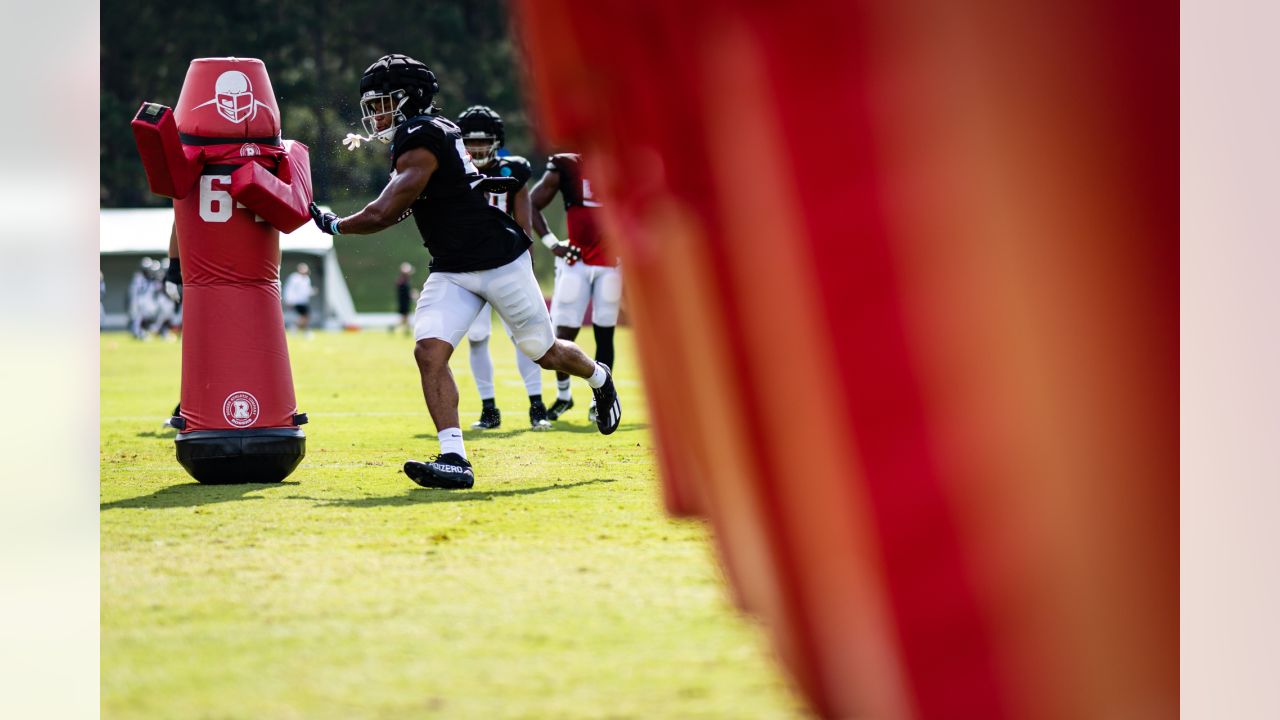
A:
(392, 90)
(482, 133)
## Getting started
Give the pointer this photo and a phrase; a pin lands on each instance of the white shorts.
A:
(482, 328)
(579, 283)
(450, 302)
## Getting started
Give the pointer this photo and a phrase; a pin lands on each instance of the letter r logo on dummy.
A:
(240, 409)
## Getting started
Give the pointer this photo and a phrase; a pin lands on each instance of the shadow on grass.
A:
(470, 434)
(192, 494)
(168, 433)
(418, 496)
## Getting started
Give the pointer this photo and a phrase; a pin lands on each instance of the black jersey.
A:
(575, 187)
(460, 228)
(512, 166)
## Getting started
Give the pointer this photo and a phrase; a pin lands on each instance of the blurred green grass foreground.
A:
(556, 588)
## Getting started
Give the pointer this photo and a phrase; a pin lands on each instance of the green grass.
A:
(556, 588)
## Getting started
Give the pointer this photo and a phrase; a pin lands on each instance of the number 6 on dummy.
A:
(236, 186)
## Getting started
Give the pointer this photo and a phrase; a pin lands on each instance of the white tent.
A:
(125, 236)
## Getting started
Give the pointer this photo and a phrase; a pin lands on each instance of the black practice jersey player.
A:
(461, 229)
(512, 166)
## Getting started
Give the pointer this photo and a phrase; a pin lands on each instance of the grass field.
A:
(556, 588)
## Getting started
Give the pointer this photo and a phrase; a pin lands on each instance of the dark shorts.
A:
(303, 310)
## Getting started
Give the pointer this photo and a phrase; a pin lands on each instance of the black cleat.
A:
(538, 417)
(490, 418)
(449, 471)
(558, 408)
(608, 409)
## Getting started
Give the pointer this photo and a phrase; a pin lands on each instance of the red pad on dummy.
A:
(171, 171)
(281, 199)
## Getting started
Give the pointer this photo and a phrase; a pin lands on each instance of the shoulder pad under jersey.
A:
(423, 131)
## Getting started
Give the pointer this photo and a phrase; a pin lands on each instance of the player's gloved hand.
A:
(352, 140)
(567, 250)
(326, 221)
(497, 185)
(173, 280)
(174, 272)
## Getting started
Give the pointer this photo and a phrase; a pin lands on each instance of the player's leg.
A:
(532, 376)
(304, 319)
(445, 310)
(568, 306)
(514, 293)
(606, 296)
(482, 369)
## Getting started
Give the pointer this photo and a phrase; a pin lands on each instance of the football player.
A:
(479, 254)
(141, 299)
(482, 135)
(585, 269)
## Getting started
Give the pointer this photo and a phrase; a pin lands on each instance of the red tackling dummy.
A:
(236, 185)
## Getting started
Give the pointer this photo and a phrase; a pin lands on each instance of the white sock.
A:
(531, 373)
(451, 442)
(482, 367)
(598, 377)
(562, 390)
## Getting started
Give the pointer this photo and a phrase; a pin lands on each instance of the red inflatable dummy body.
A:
(951, 230)
(236, 186)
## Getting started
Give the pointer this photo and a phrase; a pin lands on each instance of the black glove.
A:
(174, 273)
(567, 250)
(498, 185)
(326, 221)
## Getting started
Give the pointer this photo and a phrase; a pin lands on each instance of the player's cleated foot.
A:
(538, 417)
(490, 418)
(449, 471)
(558, 408)
(608, 409)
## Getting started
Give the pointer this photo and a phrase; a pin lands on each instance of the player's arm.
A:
(523, 210)
(413, 169)
(543, 193)
(173, 275)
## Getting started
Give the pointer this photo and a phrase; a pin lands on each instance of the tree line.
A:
(315, 51)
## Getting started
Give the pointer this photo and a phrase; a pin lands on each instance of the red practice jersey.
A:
(581, 208)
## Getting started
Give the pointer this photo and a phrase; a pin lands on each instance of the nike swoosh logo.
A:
(413, 129)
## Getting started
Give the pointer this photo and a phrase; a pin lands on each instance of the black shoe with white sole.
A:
(608, 409)
(538, 417)
(558, 408)
(449, 471)
(490, 418)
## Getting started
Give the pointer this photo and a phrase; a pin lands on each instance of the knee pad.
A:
(535, 347)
